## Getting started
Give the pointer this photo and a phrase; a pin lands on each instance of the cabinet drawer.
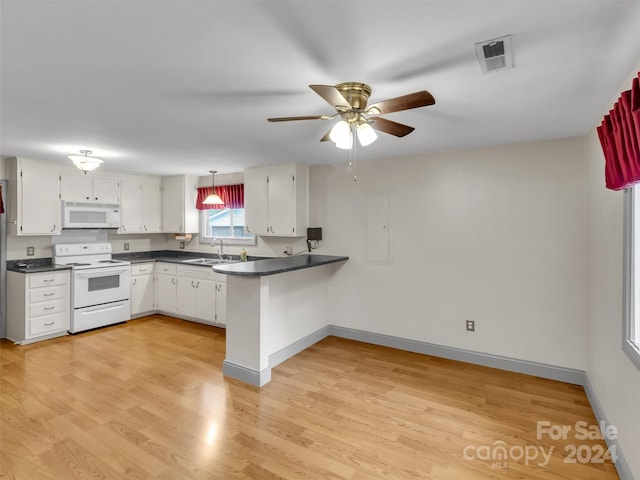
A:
(48, 324)
(46, 294)
(166, 268)
(221, 277)
(142, 269)
(47, 308)
(48, 279)
(204, 273)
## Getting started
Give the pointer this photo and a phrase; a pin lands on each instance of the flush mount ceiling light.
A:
(213, 199)
(84, 162)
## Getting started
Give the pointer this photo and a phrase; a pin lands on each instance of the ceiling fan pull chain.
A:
(353, 153)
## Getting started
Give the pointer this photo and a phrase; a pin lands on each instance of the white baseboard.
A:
(568, 375)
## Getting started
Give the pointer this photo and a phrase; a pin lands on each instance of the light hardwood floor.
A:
(147, 400)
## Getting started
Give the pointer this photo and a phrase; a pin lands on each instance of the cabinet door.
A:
(255, 205)
(281, 204)
(206, 300)
(166, 293)
(75, 186)
(173, 205)
(130, 212)
(187, 296)
(221, 303)
(40, 210)
(106, 190)
(141, 294)
(151, 207)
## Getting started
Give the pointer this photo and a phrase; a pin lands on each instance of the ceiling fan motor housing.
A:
(357, 94)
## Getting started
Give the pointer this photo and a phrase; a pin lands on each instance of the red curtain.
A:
(231, 195)
(619, 136)
(1, 204)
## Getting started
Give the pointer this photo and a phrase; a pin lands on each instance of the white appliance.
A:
(100, 285)
(90, 215)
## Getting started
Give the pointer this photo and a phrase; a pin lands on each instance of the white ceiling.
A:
(169, 87)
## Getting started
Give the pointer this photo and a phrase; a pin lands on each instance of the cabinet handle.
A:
(96, 198)
(246, 227)
(145, 228)
(173, 280)
(135, 280)
(48, 280)
(197, 284)
(142, 270)
(49, 308)
(123, 228)
(48, 294)
(53, 229)
(192, 285)
(49, 324)
(86, 198)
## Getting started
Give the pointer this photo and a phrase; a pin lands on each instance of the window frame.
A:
(206, 239)
(631, 276)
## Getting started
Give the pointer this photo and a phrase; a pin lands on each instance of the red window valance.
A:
(619, 136)
(1, 204)
(231, 195)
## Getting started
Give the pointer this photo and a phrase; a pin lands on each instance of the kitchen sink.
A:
(207, 261)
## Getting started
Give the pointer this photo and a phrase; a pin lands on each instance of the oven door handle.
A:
(101, 272)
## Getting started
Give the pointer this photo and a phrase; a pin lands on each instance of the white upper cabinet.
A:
(140, 205)
(34, 206)
(277, 200)
(77, 186)
(179, 213)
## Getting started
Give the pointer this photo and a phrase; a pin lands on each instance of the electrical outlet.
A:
(31, 251)
(126, 246)
(182, 245)
(471, 325)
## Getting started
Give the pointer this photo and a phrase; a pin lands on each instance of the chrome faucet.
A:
(220, 252)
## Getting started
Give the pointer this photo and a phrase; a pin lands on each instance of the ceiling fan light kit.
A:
(356, 118)
(84, 162)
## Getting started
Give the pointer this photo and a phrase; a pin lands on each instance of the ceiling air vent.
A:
(495, 54)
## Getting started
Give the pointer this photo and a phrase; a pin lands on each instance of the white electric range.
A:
(100, 285)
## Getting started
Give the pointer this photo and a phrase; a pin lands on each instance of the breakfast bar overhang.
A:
(275, 308)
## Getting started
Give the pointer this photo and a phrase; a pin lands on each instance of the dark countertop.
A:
(271, 266)
(34, 265)
(172, 256)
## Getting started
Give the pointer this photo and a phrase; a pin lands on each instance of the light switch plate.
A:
(126, 246)
(31, 251)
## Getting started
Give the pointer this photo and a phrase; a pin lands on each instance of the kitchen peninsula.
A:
(275, 308)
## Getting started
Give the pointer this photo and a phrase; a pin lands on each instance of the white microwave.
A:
(90, 215)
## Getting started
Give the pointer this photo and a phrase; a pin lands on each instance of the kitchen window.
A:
(631, 307)
(227, 224)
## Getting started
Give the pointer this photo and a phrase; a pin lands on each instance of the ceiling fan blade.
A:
(289, 119)
(331, 95)
(393, 128)
(405, 102)
(327, 136)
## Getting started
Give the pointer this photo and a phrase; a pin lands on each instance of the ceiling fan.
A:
(356, 117)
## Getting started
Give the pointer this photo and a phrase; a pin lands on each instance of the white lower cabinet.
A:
(201, 295)
(166, 288)
(142, 289)
(39, 306)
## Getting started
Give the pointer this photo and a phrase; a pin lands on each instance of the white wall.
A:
(614, 378)
(494, 234)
